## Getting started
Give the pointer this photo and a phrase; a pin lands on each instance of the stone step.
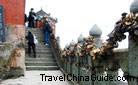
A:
(40, 56)
(38, 36)
(40, 51)
(44, 59)
(44, 56)
(35, 29)
(38, 46)
(43, 52)
(45, 49)
(40, 63)
(38, 32)
(42, 47)
(42, 68)
(40, 59)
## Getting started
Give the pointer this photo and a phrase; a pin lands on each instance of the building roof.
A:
(42, 13)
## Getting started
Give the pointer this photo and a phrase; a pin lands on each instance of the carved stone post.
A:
(96, 32)
(113, 75)
(65, 63)
(133, 50)
(98, 72)
(133, 62)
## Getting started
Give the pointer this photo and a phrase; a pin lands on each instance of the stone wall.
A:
(15, 38)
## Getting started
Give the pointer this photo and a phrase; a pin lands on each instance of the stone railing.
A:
(76, 65)
(83, 61)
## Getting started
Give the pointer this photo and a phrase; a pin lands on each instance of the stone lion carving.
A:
(14, 59)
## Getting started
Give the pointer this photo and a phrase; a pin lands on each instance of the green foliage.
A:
(5, 46)
(2, 62)
(2, 66)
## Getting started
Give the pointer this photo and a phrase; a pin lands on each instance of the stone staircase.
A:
(44, 58)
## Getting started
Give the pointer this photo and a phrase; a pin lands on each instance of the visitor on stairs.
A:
(31, 43)
(31, 18)
(47, 30)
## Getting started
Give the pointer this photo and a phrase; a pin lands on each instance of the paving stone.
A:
(34, 78)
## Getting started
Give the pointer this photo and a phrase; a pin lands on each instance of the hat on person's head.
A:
(32, 8)
(124, 14)
(29, 32)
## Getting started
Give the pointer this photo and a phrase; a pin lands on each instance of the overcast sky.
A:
(78, 16)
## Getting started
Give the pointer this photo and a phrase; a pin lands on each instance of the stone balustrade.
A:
(86, 58)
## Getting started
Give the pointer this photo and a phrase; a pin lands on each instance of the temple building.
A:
(52, 21)
(42, 14)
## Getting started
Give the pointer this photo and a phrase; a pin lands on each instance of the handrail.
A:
(70, 60)
(55, 50)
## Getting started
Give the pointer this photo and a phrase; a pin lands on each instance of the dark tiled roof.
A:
(42, 13)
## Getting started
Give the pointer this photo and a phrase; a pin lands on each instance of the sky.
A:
(77, 17)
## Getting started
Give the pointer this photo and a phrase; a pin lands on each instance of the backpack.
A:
(35, 40)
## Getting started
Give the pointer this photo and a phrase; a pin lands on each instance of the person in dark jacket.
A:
(31, 18)
(31, 44)
(25, 18)
(47, 30)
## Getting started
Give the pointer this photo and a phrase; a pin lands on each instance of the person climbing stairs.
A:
(44, 58)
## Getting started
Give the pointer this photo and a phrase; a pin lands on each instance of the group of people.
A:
(47, 30)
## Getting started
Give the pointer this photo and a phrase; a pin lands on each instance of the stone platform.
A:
(34, 78)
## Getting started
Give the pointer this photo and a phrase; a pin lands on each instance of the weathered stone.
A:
(85, 77)
(80, 38)
(133, 61)
(98, 80)
(5, 50)
(95, 31)
(13, 73)
(134, 7)
(68, 68)
(122, 56)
